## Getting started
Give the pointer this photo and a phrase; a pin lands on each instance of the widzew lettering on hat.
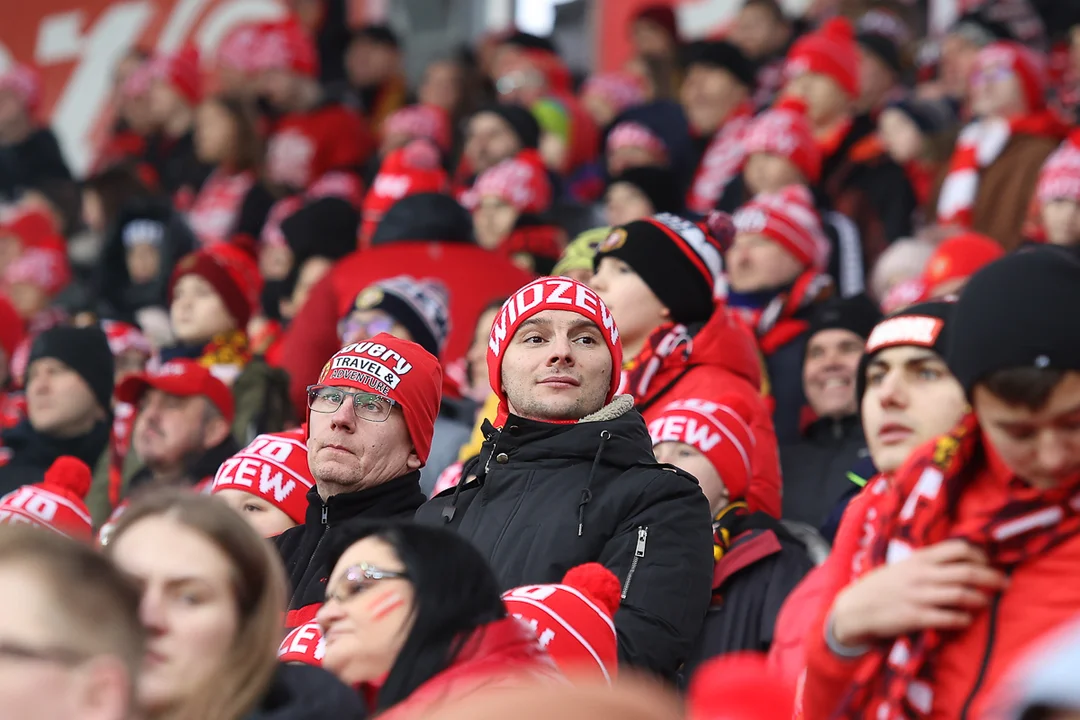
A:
(679, 428)
(554, 293)
(31, 502)
(246, 471)
(920, 330)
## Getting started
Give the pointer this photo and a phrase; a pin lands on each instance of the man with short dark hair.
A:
(567, 476)
(66, 654)
(970, 550)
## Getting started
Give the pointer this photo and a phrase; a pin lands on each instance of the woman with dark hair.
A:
(232, 200)
(413, 618)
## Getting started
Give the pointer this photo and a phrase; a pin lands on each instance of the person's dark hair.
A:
(456, 594)
(116, 186)
(247, 151)
(1029, 387)
(379, 34)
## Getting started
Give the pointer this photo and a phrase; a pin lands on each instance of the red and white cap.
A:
(124, 336)
(788, 218)
(182, 378)
(24, 82)
(1028, 65)
(635, 135)
(1059, 178)
(420, 121)
(719, 430)
(57, 503)
(785, 131)
(239, 48)
(521, 181)
(536, 297)
(274, 467)
(285, 45)
(573, 619)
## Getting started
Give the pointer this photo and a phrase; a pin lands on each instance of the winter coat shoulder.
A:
(816, 468)
(303, 692)
(547, 497)
(26, 454)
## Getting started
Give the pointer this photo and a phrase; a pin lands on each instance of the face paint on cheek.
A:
(386, 605)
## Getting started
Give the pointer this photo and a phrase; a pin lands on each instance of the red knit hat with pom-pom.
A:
(573, 619)
(181, 70)
(739, 686)
(831, 51)
(785, 131)
(57, 503)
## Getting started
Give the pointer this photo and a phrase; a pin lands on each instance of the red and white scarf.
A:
(722, 161)
(979, 145)
(214, 213)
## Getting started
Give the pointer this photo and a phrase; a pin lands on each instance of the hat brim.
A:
(132, 389)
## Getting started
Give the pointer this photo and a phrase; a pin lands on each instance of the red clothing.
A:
(217, 205)
(500, 654)
(473, 276)
(723, 361)
(12, 408)
(1043, 592)
(304, 146)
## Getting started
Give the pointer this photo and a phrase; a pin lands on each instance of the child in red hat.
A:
(57, 503)
(780, 149)
(1058, 193)
(515, 187)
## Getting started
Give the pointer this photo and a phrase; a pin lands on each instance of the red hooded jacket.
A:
(500, 654)
(723, 360)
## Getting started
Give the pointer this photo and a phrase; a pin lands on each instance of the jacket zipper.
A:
(981, 677)
(639, 552)
(300, 586)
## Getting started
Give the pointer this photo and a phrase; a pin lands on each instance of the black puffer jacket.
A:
(548, 497)
(302, 692)
(816, 469)
(26, 454)
(306, 549)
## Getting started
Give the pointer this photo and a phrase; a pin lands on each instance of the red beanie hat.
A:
(44, 266)
(274, 467)
(24, 81)
(231, 271)
(832, 51)
(304, 645)
(421, 121)
(406, 171)
(181, 70)
(789, 219)
(397, 369)
(718, 430)
(739, 686)
(1059, 178)
(521, 181)
(12, 328)
(124, 336)
(1029, 66)
(785, 131)
(958, 257)
(573, 619)
(57, 503)
(534, 298)
(630, 134)
(239, 48)
(286, 45)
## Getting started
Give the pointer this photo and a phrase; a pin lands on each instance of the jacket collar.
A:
(400, 496)
(201, 468)
(849, 426)
(34, 448)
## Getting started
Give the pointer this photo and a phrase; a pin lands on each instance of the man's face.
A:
(370, 63)
(197, 312)
(169, 429)
(1041, 446)
(59, 403)
(911, 398)
(832, 359)
(489, 140)
(493, 220)
(625, 203)
(1061, 219)
(633, 305)
(347, 453)
(755, 262)
(767, 172)
(900, 135)
(996, 92)
(708, 94)
(556, 367)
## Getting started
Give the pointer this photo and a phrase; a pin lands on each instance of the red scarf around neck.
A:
(896, 681)
(775, 325)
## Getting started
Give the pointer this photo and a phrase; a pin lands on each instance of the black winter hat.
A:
(381, 34)
(930, 116)
(519, 119)
(84, 350)
(724, 55)
(922, 325)
(424, 216)
(528, 41)
(658, 184)
(858, 314)
(325, 227)
(1017, 312)
(981, 30)
(884, 47)
(679, 261)
(420, 306)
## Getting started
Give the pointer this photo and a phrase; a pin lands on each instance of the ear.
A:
(106, 688)
(215, 432)
(413, 461)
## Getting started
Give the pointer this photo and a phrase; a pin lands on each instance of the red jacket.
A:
(305, 146)
(724, 361)
(1042, 594)
(501, 654)
(473, 276)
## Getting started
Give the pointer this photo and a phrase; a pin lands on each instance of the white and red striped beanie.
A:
(1028, 65)
(521, 181)
(788, 218)
(549, 293)
(274, 467)
(58, 502)
(421, 121)
(620, 90)
(636, 135)
(44, 266)
(718, 430)
(785, 131)
(1059, 178)
(285, 45)
(24, 82)
(238, 50)
(181, 70)
(573, 619)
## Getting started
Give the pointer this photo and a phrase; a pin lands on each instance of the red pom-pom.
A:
(70, 475)
(838, 28)
(598, 583)
(722, 228)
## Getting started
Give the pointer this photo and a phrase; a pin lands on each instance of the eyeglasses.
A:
(359, 578)
(350, 330)
(59, 655)
(367, 405)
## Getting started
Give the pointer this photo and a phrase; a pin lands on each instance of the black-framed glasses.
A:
(367, 405)
(359, 578)
(59, 655)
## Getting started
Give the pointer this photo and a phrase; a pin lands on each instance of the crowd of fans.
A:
(741, 379)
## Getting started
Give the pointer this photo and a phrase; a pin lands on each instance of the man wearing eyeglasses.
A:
(70, 641)
(370, 422)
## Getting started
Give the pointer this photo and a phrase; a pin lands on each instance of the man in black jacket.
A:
(370, 423)
(567, 476)
(69, 384)
(817, 469)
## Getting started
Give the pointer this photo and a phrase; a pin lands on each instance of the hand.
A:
(938, 587)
